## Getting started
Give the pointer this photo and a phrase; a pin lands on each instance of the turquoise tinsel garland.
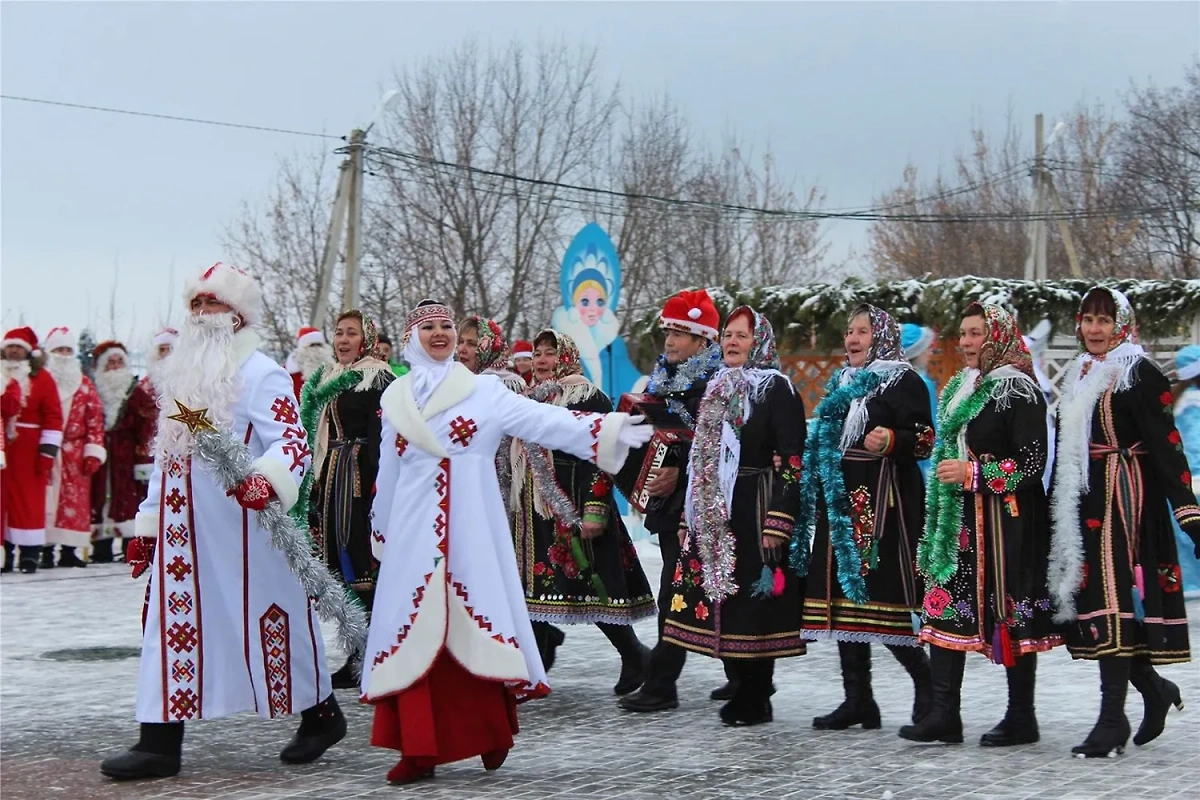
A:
(823, 467)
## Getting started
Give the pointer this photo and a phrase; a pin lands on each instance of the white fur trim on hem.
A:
(280, 478)
(68, 538)
(146, 526)
(610, 453)
(95, 451)
(404, 667)
(477, 651)
(25, 537)
(51, 437)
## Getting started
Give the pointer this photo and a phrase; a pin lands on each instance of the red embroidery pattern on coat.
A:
(176, 500)
(482, 622)
(277, 656)
(401, 445)
(285, 411)
(462, 430)
(179, 600)
(299, 452)
(177, 535)
(441, 523)
(179, 568)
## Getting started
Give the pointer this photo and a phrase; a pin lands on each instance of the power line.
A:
(173, 118)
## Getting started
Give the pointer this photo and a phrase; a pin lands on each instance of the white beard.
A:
(113, 387)
(68, 374)
(19, 372)
(203, 371)
(312, 357)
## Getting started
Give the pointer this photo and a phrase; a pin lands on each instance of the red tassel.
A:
(779, 582)
(1003, 641)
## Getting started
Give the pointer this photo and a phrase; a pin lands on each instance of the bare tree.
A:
(1159, 163)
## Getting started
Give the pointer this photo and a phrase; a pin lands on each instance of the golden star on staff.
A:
(196, 421)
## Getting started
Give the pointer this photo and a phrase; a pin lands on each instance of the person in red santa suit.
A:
(119, 486)
(32, 445)
(10, 406)
(522, 360)
(69, 502)
(311, 353)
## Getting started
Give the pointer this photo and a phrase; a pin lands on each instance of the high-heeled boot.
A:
(1158, 695)
(1111, 731)
(916, 664)
(943, 723)
(1019, 725)
(859, 707)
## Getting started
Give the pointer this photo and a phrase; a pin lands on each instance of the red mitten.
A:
(140, 555)
(253, 493)
(90, 465)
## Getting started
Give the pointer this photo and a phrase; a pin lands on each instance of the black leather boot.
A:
(751, 705)
(916, 664)
(69, 558)
(944, 722)
(1111, 731)
(635, 657)
(1019, 725)
(321, 727)
(156, 754)
(28, 559)
(1158, 695)
(859, 707)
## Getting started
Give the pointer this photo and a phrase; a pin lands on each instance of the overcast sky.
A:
(847, 93)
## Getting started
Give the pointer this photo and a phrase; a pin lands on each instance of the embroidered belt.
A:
(887, 494)
(1125, 485)
(343, 460)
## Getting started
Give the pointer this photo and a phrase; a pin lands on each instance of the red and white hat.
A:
(309, 335)
(165, 336)
(231, 286)
(522, 349)
(691, 312)
(102, 352)
(22, 337)
(59, 337)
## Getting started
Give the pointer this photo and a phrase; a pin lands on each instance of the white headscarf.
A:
(427, 372)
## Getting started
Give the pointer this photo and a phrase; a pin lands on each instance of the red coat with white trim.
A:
(119, 487)
(69, 515)
(40, 421)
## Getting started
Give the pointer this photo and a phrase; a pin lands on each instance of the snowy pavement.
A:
(65, 705)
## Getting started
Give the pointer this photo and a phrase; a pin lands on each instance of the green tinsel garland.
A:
(823, 467)
(937, 552)
(313, 399)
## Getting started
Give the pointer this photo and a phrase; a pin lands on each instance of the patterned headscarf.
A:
(885, 335)
(762, 353)
(569, 361)
(492, 350)
(1003, 346)
(1124, 326)
(369, 331)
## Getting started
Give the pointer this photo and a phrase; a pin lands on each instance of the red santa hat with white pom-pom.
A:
(309, 335)
(23, 337)
(522, 349)
(58, 337)
(691, 312)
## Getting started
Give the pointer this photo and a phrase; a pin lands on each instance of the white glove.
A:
(634, 433)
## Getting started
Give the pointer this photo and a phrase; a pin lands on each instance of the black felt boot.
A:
(1158, 695)
(944, 721)
(321, 727)
(344, 678)
(1111, 731)
(102, 551)
(47, 557)
(859, 707)
(916, 664)
(69, 558)
(28, 559)
(10, 557)
(156, 754)
(1019, 725)
(635, 657)
(751, 704)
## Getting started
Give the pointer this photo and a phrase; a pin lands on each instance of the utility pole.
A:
(347, 213)
(1043, 190)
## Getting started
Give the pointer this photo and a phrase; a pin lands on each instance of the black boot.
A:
(1111, 731)
(9, 557)
(944, 722)
(751, 705)
(658, 692)
(156, 755)
(916, 664)
(635, 656)
(344, 678)
(859, 706)
(47, 557)
(68, 558)
(1158, 695)
(549, 639)
(28, 559)
(321, 727)
(1019, 725)
(102, 551)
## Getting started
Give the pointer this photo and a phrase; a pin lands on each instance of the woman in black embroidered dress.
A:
(984, 551)
(576, 559)
(339, 407)
(734, 598)
(1114, 570)
(873, 427)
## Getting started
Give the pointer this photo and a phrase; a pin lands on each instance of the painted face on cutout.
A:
(590, 302)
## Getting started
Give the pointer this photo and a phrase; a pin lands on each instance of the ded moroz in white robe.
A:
(228, 627)
(448, 578)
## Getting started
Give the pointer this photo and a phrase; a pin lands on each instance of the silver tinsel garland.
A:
(545, 485)
(230, 463)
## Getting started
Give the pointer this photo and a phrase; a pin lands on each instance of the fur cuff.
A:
(281, 480)
(146, 525)
(142, 472)
(610, 453)
(95, 451)
(51, 437)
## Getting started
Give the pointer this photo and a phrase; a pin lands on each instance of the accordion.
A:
(668, 430)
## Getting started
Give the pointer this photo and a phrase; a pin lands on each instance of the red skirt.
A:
(448, 715)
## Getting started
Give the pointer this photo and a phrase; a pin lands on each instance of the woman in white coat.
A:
(451, 650)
